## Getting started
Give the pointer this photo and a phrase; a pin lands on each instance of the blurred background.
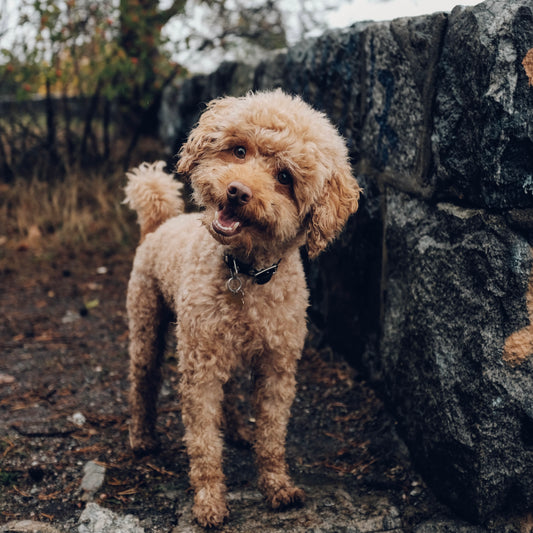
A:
(81, 84)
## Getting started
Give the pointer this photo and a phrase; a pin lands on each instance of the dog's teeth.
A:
(228, 228)
(219, 227)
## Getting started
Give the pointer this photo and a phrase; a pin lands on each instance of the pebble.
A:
(70, 316)
(78, 419)
(93, 479)
(96, 519)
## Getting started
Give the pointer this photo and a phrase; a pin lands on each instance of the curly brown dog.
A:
(272, 175)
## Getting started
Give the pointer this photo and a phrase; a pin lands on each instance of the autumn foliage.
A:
(82, 81)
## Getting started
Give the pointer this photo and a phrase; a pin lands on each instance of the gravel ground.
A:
(63, 390)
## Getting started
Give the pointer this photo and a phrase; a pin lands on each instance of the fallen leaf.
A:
(527, 63)
(92, 304)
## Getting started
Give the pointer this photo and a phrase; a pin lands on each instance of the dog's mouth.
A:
(227, 222)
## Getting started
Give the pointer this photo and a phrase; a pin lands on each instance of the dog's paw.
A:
(210, 509)
(285, 497)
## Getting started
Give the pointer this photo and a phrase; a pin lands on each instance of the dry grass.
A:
(83, 210)
(80, 212)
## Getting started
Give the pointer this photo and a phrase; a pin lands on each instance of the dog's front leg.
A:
(201, 403)
(274, 393)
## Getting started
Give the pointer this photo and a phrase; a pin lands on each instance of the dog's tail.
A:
(154, 194)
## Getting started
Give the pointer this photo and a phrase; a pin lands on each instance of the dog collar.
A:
(260, 277)
(236, 267)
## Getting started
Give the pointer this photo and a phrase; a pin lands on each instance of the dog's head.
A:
(269, 169)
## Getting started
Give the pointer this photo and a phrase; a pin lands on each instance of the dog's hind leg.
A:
(148, 323)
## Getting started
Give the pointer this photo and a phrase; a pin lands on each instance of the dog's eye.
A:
(284, 177)
(239, 152)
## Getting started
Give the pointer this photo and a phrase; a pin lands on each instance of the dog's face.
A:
(270, 171)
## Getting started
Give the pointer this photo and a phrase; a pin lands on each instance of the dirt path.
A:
(63, 382)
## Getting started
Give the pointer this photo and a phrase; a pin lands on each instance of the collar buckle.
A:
(234, 283)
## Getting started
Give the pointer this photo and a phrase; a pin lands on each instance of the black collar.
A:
(260, 277)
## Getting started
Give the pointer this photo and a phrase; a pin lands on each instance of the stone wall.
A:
(427, 289)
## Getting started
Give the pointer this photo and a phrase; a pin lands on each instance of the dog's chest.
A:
(246, 323)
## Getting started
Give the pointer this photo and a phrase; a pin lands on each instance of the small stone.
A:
(92, 480)
(78, 419)
(70, 316)
(96, 519)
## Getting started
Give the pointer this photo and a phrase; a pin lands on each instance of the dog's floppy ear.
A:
(204, 135)
(339, 200)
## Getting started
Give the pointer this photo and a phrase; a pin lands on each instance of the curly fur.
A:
(153, 194)
(271, 175)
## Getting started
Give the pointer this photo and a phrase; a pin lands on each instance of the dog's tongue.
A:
(226, 223)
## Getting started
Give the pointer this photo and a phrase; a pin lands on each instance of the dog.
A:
(271, 175)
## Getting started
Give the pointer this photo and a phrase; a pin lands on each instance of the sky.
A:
(358, 10)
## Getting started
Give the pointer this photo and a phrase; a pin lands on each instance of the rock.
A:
(93, 479)
(455, 284)
(77, 418)
(96, 519)
(483, 140)
(400, 59)
(27, 526)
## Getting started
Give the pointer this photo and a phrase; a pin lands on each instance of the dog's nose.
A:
(238, 193)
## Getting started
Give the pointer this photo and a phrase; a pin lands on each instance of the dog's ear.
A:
(187, 157)
(205, 135)
(339, 200)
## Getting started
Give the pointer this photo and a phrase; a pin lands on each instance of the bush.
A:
(81, 77)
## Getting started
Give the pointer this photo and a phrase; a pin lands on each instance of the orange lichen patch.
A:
(519, 346)
(527, 63)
